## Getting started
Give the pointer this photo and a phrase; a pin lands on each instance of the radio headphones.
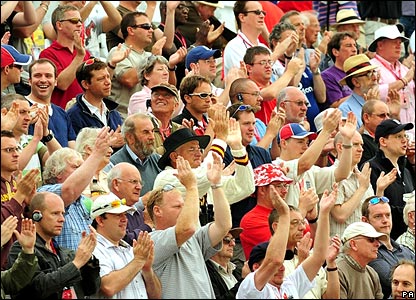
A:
(240, 97)
(37, 216)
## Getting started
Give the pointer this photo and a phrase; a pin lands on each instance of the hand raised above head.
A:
(185, 174)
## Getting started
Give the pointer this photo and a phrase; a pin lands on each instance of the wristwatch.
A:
(48, 138)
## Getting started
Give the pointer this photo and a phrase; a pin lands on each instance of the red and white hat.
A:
(268, 173)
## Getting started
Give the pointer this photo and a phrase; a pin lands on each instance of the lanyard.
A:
(392, 71)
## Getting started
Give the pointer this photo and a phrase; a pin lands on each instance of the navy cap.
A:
(200, 52)
(390, 126)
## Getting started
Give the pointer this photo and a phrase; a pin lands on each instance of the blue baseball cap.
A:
(9, 55)
(200, 52)
(296, 131)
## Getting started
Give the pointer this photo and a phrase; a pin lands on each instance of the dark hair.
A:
(84, 72)
(42, 61)
(274, 217)
(233, 110)
(129, 20)
(190, 83)
(335, 42)
(252, 52)
(239, 8)
(59, 13)
(276, 33)
(287, 15)
(7, 133)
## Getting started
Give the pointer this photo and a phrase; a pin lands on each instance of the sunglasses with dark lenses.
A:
(377, 200)
(242, 107)
(257, 12)
(72, 20)
(228, 240)
(370, 239)
(145, 26)
(19, 67)
(202, 95)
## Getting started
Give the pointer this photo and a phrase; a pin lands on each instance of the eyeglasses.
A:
(72, 20)
(145, 26)
(400, 137)
(377, 200)
(89, 62)
(10, 149)
(132, 181)
(298, 103)
(383, 115)
(255, 94)
(296, 222)
(370, 239)
(114, 204)
(241, 108)
(257, 12)
(228, 240)
(202, 95)
(368, 74)
(263, 63)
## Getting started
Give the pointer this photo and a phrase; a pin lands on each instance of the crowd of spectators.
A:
(183, 159)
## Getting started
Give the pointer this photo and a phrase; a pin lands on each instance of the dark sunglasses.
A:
(257, 12)
(145, 26)
(228, 240)
(370, 239)
(202, 95)
(19, 67)
(242, 107)
(72, 20)
(377, 200)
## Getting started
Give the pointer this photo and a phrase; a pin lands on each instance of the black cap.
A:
(390, 126)
(259, 252)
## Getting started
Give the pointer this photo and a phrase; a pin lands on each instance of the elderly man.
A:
(393, 74)
(126, 270)
(358, 279)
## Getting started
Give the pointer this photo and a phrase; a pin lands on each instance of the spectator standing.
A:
(126, 271)
(358, 280)
(181, 246)
(67, 53)
(60, 270)
(377, 212)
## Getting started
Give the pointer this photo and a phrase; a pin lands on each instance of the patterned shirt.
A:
(407, 239)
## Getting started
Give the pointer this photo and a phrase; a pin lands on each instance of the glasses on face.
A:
(263, 63)
(132, 181)
(297, 222)
(145, 26)
(228, 240)
(401, 137)
(202, 95)
(377, 200)
(370, 239)
(10, 149)
(242, 107)
(89, 62)
(19, 67)
(369, 74)
(72, 20)
(383, 115)
(257, 12)
(113, 204)
(255, 94)
(298, 103)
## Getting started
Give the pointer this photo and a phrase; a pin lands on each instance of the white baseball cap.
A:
(364, 229)
(109, 204)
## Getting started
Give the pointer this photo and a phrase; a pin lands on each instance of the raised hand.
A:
(328, 199)
(9, 119)
(331, 120)
(85, 248)
(363, 176)
(234, 138)
(26, 186)
(158, 46)
(117, 139)
(304, 246)
(333, 249)
(7, 229)
(178, 56)
(214, 169)
(348, 129)
(384, 180)
(143, 250)
(27, 236)
(119, 54)
(278, 203)
(185, 174)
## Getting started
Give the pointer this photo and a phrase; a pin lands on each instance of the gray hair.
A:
(409, 198)
(114, 173)
(129, 123)
(86, 137)
(57, 162)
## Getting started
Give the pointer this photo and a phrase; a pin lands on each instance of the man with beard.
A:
(139, 150)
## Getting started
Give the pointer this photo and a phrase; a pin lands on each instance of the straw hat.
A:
(356, 64)
(347, 16)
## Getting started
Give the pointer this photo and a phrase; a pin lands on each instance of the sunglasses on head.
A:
(202, 95)
(89, 62)
(377, 200)
(145, 26)
(72, 20)
(242, 107)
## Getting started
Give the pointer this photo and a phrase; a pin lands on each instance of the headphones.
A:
(37, 216)
(240, 97)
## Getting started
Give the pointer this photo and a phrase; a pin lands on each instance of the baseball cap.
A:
(109, 204)
(259, 252)
(200, 52)
(268, 173)
(364, 229)
(168, 87)
(390, 126)
(9, 55)
(296, 131)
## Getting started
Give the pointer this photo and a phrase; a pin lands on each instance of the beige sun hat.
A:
(347, 16)
(356, 64)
